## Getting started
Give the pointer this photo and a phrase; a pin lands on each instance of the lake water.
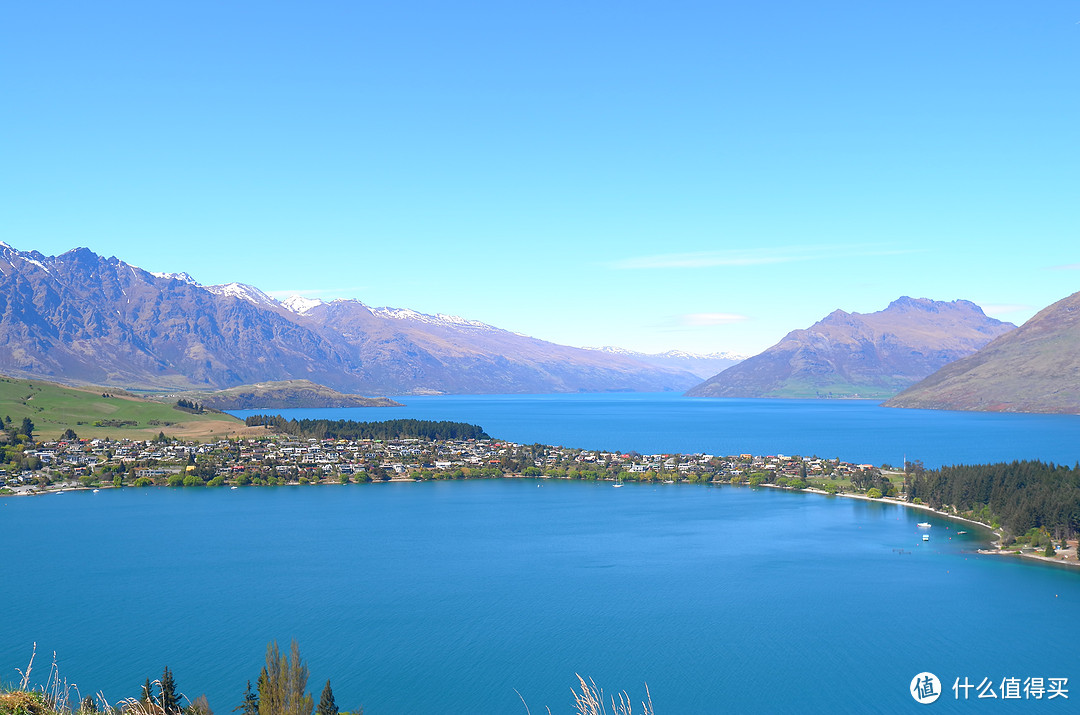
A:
(441, 597)
(857, 431)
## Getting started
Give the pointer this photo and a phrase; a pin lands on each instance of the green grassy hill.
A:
(54, 408)
(281, 395)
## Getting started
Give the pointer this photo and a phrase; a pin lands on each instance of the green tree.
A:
(282, 683)
(250, 704)
(1050, 549)
(169, 697)
(27, 428)
(88, 705)
(69, 435)
(148, 692)
(327, 706)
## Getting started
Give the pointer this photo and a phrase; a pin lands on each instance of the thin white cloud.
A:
(754, 256)
(1066, 267)
(705, 319)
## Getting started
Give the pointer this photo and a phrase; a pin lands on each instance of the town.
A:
(277, 460)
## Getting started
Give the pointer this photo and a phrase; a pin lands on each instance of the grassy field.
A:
(54, 408)
(797, 389)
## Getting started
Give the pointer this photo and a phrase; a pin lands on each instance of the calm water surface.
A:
(855, 430)
(446, 597)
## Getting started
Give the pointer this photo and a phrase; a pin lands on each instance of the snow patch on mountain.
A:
(301, 305)
(438, 319)
(244, 292)
(679, 354)
(182, 277)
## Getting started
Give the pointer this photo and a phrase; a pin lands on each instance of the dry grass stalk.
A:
(132, 706)
(29, 667)
(55, 695)
(590, 701)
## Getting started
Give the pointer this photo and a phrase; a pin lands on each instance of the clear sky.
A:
(695, 175)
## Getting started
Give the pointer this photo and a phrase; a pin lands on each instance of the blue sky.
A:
(701, 176)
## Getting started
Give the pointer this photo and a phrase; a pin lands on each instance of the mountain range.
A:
(1035, 368)
(861, 355)
(703, 366)
(82, 318)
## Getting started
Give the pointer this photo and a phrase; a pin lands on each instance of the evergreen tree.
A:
(250, 704)
(169, 698)
(327, 706)
(27, 428)
(148, 692)
(88, 705)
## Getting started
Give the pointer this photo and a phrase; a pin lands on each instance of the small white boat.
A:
(233, 487)
(961, 532)
(96, 491)
(926, 537)
(923, 525)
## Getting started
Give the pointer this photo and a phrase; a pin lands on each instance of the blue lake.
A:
(446, 597)
(441, 597)
(858, 431)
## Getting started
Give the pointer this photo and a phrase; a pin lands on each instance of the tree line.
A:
(191, 406)
(1019, 495)
(390, 429)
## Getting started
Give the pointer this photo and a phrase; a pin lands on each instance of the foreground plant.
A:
(591, 701)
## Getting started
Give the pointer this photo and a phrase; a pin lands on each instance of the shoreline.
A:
(998, 550)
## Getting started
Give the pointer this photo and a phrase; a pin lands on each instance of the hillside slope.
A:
(1035, 368)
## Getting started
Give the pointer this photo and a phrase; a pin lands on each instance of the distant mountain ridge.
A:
(1035, 368)
(83, 318)
(703, 366)
(861, 355)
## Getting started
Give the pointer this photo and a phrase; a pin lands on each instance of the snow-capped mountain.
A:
(182, 277)
(437, 319)
(241, 291)
(703, 366)
(83, 318)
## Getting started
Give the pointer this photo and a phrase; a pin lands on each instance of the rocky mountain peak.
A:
(861, 354)
(83, 318)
